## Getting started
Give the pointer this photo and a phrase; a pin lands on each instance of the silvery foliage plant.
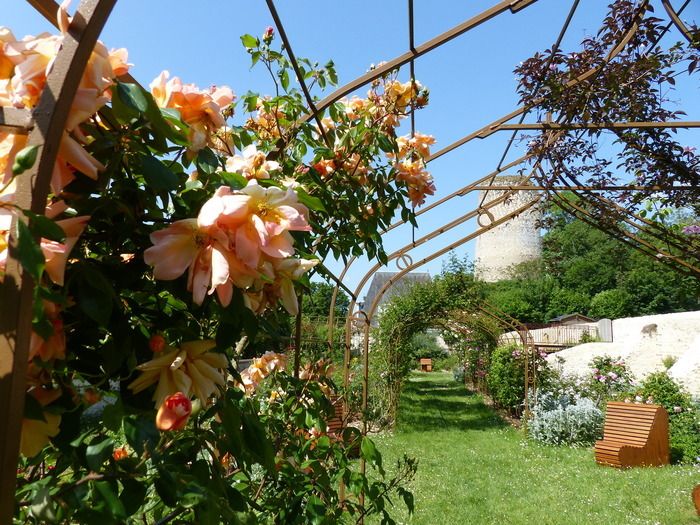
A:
(565, 420)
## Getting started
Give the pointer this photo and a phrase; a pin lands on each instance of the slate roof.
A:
(566, 317)
(397, 288)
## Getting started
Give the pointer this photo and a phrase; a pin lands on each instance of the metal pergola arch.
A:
(498, 125)
(46, 123)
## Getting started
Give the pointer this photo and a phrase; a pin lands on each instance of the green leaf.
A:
(231, 421)
(316, 509)
(42, 226)
(251, 101)
(43, 507)
(40, 322)
(257, 442)
(207, 161)
(112, 416)
(95, 294)
(193, 495)
(115, 506)
(369, 451)
(311, 202)
(166, 122)
(165, 486)
(133, 495)
(33, 409)
(157, 175)
(141, 433)
(385, 144)
(98, 452)
(133, 96)
(25, 159)
(249, 41)
(235, 181)
(29, 252)
(284, 79)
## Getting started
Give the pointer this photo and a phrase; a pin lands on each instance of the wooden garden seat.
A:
(426, 364)
(696, 498)
(336, 424)
(634, 435)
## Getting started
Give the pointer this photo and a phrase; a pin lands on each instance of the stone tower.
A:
(513, 242)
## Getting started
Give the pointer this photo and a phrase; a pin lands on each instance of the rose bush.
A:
(172, 234)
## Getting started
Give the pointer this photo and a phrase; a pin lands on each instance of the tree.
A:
(611, 304)
(317, 302)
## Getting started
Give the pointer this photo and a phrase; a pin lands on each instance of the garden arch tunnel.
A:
(47, 122)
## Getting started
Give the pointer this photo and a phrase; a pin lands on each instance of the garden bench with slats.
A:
(696, 498)
(426, 364)
(336, 424)
(634, 435)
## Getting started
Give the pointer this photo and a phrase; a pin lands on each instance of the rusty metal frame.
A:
(673, 15)
(369, 313)
(46, 124)
(484, 132)
(507, 5)
(16, 293)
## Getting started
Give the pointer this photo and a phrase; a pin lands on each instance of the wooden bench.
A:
(634, 435)
(336, 424)
(426, 364)
(696, 498)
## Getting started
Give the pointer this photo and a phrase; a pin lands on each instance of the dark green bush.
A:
(663, 390)
(684, 418)
(685, 437)
(506, 377)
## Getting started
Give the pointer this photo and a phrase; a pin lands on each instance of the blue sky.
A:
(470, 78)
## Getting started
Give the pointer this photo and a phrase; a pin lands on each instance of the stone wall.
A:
(643, 342)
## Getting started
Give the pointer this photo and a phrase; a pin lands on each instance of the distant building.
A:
(571, 319)
(397, 288)
(515, 241)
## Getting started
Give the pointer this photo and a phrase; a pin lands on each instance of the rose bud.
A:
(120, 453)
(91, 396)
(268, 35)
(156, 343)
(174, 412)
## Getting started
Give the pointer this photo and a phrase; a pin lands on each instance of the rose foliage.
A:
(173, 235)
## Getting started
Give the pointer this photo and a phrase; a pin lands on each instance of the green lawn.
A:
(474, 468)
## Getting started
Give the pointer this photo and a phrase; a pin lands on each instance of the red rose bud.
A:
(174, 412)
(268, 35)
(120, 453)
(156, 343)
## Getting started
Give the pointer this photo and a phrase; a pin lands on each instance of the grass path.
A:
(475, 469)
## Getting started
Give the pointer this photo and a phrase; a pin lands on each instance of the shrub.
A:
(683, 415)
(609, 379)
(684, 429)
(611, 304)
(669, 361)
(661, 389)
(587, 337)
(447, 362)
(459, 374)
(506, 377)
(563, 420)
